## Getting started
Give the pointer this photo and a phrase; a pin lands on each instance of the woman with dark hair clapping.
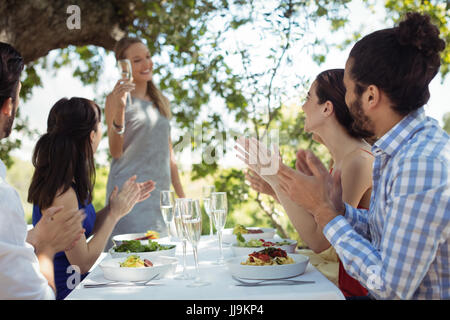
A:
(327, 117)
(65, 175)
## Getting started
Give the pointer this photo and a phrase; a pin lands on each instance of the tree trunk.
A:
(35, 27)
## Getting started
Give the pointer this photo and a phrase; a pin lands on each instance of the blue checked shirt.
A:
(399, 248)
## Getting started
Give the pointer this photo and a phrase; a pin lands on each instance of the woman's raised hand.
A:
(119, 93)
(121, 202)
(258, 158)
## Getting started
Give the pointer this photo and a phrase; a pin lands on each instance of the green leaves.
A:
(447, 122)
(438, 10)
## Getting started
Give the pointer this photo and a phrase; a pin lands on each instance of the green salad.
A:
(254, 243)
(137, 246)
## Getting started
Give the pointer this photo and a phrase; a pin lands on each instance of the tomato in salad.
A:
(267, 254)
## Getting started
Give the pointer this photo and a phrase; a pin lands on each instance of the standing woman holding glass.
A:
(139, 137)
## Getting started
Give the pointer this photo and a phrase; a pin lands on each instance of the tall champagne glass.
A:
(219, 210)
(192, 223)
(206, 194)
(180, 206)
(167, 202)
(125, 73)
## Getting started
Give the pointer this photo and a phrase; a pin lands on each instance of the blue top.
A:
(66, 277)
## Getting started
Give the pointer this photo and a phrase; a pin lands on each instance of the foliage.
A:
(99, 192)
(21, 130)
(439, 12)
(446, 120)
(19, 177)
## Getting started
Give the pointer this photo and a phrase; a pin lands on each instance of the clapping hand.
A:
(258, 158)
(121, 202)
(57, 230)
(259, 184)
(312, 187)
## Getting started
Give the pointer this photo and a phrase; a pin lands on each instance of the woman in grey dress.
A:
(139, 138)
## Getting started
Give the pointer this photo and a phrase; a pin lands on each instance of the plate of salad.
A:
(143, 237)
(229, 234)
(243, 247)
(137, 268)
(146, 249)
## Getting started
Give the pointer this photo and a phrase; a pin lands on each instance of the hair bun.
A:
(418, 31)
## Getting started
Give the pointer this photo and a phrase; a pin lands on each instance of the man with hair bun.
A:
(399, 248)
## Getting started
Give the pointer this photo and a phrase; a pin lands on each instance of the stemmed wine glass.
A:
(125, 73)
(167, 202)
(206, 194)
(180, 206)
(219, 209)
(191, 215)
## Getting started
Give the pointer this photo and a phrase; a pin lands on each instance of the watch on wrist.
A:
(118, 129)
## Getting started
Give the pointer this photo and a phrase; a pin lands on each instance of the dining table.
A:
(222, 285)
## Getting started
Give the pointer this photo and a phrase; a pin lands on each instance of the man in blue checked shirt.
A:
(399, 248)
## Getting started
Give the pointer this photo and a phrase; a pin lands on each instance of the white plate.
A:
(145, 255)
(161, 265)
(118, 239)
(229, 237)
(245, 251)
(268, 272)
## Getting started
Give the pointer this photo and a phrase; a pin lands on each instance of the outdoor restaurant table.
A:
(222, 286)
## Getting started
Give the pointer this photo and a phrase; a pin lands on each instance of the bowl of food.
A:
(243, 247)
(269, 263)
(143, 237)
(229, 234)
(137, 268)
(147, 249)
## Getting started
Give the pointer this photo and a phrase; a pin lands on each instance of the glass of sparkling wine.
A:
(125, 72)
(180, 207)
(219, 209)
(166, 203)
(206, 194)
(192, 223)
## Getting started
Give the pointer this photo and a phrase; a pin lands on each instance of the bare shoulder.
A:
(68, 200)
(359, 161)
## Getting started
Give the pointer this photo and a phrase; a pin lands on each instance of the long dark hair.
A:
(63, 157)
(401, 61)
(330, 87)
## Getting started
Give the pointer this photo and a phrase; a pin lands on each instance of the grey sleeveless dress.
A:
(145, 154)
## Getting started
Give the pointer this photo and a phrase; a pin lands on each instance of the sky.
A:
(63, 84)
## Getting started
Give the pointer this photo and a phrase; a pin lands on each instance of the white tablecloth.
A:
(222, 286)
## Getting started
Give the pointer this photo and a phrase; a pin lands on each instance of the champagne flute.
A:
(180, 206)
(166, 203)
(192, 223)
(206, 193)
(125, 73)
(219, 209)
